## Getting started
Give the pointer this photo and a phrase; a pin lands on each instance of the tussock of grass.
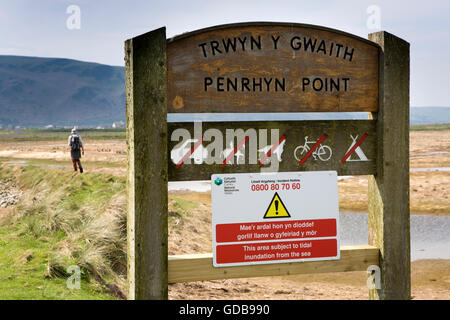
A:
(84, 213)
(97, 243)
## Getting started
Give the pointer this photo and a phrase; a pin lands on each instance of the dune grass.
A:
(63, 219)
(24, 265)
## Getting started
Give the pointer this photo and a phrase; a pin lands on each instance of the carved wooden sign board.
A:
(271, 68)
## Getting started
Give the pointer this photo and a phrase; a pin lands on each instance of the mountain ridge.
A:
(41, 91)
(35, 92)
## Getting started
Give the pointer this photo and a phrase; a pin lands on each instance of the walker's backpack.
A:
(75, 143)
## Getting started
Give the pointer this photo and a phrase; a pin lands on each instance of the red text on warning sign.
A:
(279, 250)
(278, 230)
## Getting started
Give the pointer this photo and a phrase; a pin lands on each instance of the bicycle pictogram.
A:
(322, 152)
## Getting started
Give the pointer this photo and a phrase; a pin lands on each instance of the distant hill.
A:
(425, 115)
(41, 91)
(35, 92)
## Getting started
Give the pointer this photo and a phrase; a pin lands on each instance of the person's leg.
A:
(74, 163)
(79, 165)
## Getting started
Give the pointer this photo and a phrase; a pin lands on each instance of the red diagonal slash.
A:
(314, 147)
(188, 154)
(234, 151)
(274, 147)
(356, 145)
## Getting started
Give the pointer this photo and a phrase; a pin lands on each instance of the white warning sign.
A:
(276, 217)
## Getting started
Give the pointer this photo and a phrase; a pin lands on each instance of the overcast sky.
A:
(39, 28)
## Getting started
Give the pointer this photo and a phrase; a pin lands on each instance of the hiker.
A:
(76, 149)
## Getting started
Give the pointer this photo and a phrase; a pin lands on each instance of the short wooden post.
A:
(145, 61)
(389, 188)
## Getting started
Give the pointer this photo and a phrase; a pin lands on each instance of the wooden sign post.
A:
(266, 67)
(145, 63)
(389, 188)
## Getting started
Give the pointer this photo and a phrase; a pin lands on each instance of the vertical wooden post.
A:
(389, 189)
(145, 61)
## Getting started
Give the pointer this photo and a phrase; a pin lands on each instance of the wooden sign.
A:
(267, 67)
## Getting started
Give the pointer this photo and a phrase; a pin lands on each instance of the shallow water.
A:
(441, 169)
(430, 235)
(46, 165)
(196, 186)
